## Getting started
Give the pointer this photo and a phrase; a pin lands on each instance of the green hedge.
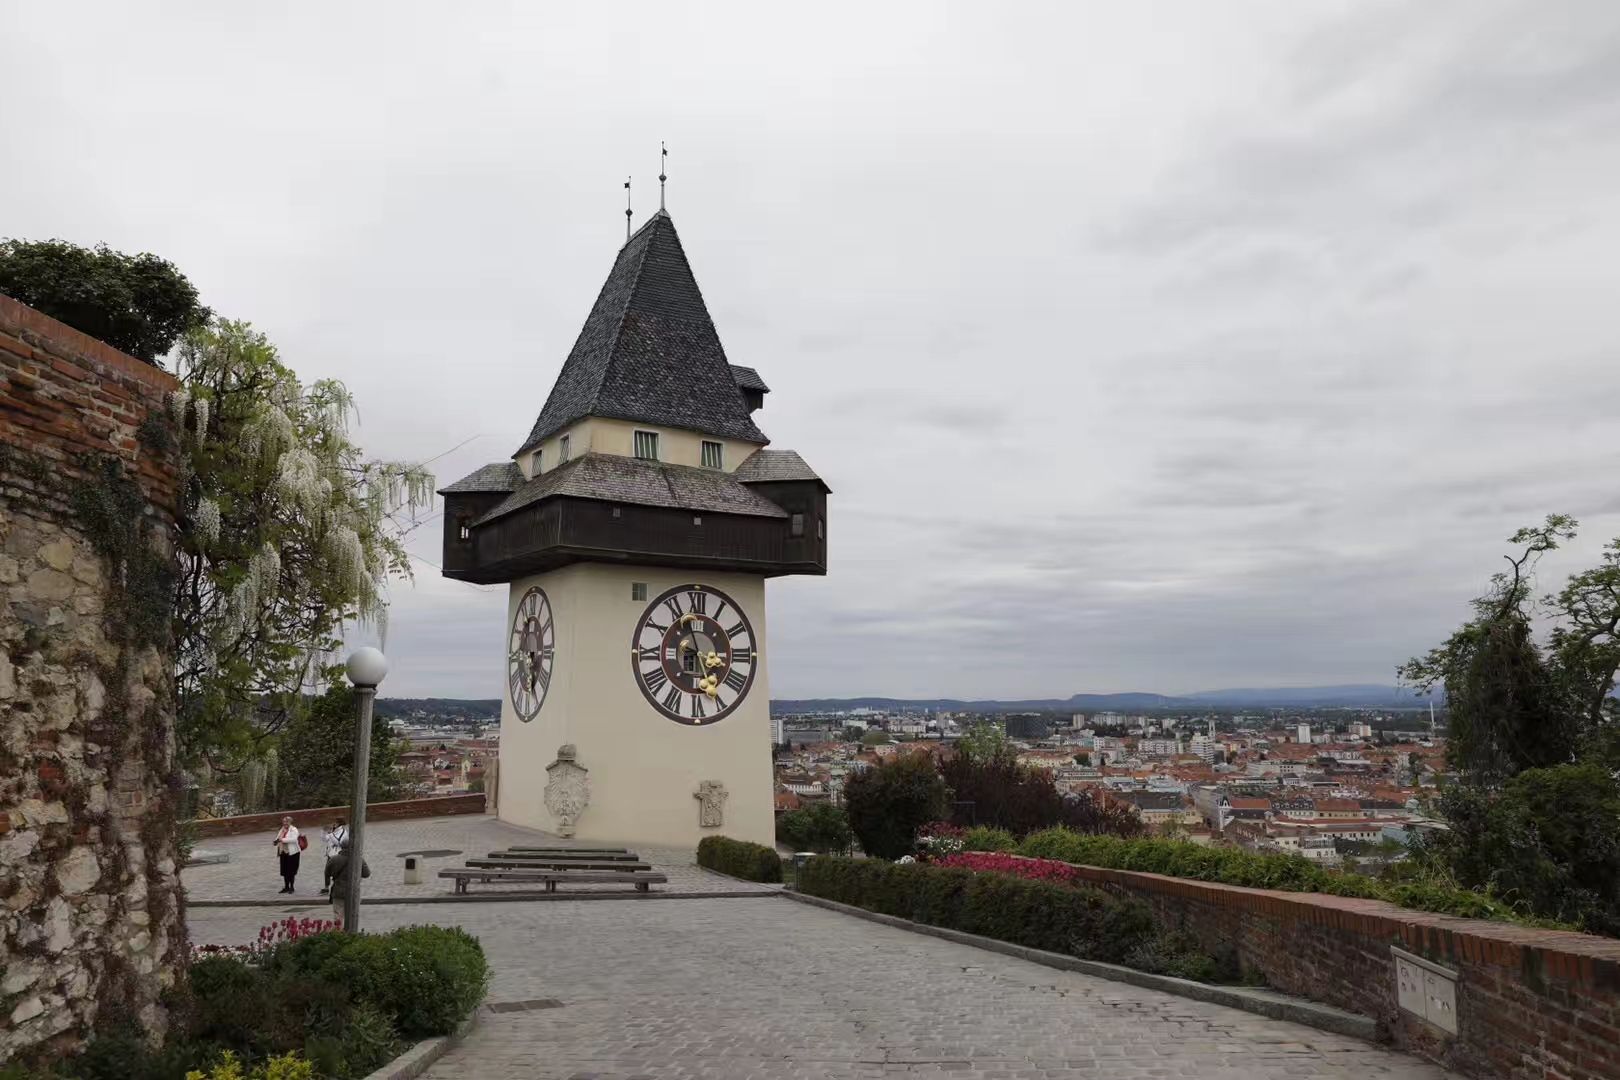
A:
(986, 838)
(1236, 866)
(751, 862)
(427, 979)
(1080, 921)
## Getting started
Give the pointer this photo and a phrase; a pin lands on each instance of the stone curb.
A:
(415, 1061)
(484, 898)
(1268, 1003)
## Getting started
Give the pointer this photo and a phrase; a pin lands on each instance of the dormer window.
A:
(562, 449)
(647, 445)
(534, 464)
(713, 455)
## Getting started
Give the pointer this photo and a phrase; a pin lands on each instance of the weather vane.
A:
(627, 211)
(663, 160)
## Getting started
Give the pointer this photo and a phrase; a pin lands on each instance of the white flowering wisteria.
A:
(287, 533)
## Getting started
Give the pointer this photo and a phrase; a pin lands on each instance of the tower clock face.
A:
(530, 654)
(694, 654)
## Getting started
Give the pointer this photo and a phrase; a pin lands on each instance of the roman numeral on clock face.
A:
(698, 711)
(672, 700)
(655, 679)
(698, 602)
(735, 680)
(674, 606)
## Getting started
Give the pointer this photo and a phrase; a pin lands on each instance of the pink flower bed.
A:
(998, 863)
(288, 929)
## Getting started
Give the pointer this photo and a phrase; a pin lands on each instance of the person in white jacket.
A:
(287, 849)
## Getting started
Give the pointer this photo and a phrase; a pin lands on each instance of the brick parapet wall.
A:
(438, 806)
(90, 914)
(1530, 1002)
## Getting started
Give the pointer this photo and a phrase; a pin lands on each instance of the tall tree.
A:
(889, 802)
(138, 303)
(1507, 708)
(1534, 737)
(316, 756)
(287, 534)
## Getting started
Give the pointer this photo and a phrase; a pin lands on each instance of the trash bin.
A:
(802, 857)
(413, 873)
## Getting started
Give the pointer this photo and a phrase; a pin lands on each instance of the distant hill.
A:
(389, 708)
(1355, 697)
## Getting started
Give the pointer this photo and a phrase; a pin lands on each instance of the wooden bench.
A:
(558, 864)
(641, 879)
(598, 856)
(573, 850)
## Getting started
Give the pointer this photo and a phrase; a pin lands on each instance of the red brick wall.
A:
(1530, 1003)
(439, 806)
(64, 393)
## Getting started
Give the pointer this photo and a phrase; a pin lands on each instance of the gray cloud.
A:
(1147, 347)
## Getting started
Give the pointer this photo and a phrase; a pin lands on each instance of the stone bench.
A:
(640, 878)
(565, 853)
(573, 850)
(557, 864)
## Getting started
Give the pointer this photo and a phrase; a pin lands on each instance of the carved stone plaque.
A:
(711, 796)
(568, 789)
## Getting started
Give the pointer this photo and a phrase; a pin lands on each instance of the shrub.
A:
(820, 827)
(986, 775)
(364, 1041)
(426, 978)
(1079, 921)
(285, 1067)
(889, 802)
(739, 858)
(1178, 953)
(986, 838)
(1257, 870)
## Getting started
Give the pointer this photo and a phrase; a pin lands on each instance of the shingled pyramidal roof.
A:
(649, 351)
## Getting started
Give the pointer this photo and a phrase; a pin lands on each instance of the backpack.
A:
(303, 842)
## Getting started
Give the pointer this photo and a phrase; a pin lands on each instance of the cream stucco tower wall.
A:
(644, 768)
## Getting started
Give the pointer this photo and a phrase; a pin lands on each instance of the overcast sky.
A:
(1145, 346)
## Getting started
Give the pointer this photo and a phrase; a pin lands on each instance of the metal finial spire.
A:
(627, 210)
(663, 160)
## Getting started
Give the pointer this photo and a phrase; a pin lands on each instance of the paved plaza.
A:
(252, 876)
(770, 988)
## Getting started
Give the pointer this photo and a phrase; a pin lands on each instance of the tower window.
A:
(534, 464)
(638, 590)
(796, 525)
(647, 445)
(713, 455)
(821, 528)
(562, 450)
(463, 529)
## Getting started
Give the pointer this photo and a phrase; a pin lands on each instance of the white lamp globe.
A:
(366, 666)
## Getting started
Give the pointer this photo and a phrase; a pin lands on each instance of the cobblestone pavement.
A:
(767, 988)
(252, 874)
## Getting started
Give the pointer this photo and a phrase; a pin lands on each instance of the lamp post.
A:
(366, 668)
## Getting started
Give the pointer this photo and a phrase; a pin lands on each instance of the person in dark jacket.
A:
(338, 868)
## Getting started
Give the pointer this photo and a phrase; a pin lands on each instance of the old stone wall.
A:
(90, 920)
(1529, 1003)
(433, 806)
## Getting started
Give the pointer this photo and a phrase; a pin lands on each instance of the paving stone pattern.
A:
(766, 988)
(252, 875)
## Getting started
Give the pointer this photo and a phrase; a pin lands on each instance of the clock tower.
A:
(636, 526)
